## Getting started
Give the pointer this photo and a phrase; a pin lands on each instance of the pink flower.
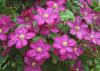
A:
(93, 37)
(87, 13)
(64, 45)
(78, 66)
(3, 33)
(28, 12)
(77, 51)
(4, 20)
(57, 5)
(48, 29)
(86, 1)
(45, 16)
(20, 37)
(39, 50)
(97, 18)
(31, 64)
(78, 28)
(24, 20)
(5, 25)
(26, 17)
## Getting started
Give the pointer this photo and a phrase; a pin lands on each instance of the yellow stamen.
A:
(77, 28)
(39, 49)
(65, 43)
(34, 64)
(55, 6)
(75, 49)
(45, 15)
(22, 36)
(77, 69)
(27, 18)
(0, 30)
(91, 36)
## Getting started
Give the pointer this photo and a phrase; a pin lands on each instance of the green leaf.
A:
(35, 23)
(3, 2)
(70, 14)
(94, 4)
(55, 57)
(36, 38)
(63, 28)
(84, 59)
(19, 62)
(69, 5)
(63, 16)
(67, 15)
(1, 59)
(52, 35)
(14, 19)
(97, 9)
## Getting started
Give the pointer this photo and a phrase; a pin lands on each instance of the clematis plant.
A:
(49, 35)
(78, 28)
(20, 37)
(39, 51)
(45, 16)
(57, 5)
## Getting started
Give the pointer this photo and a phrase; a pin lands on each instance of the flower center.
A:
(95, 17)
(39, 49)
(0, 30)
(77, 69)
(55, 6)
(65, 43)
(22, 36)
(77, 28)
(75, 49)
(91, 36)
(33, 64)
(27, 18)
(85, 13)
(45, 15)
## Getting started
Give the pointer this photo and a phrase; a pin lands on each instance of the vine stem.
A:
(4, 12)
(10, 10)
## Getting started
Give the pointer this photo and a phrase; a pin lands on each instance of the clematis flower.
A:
(93, 37)
(24, 20)
(64, 44)
(3, 33)
(26, 17)
(45, 16)
(78, 66)
(86, 1)
(57, 5)
(87, 13)
(5, 25)
(39, 50)
(48, 29)
(28, 12)
(77, 51)
(4, 20)
(20, 37)
(31, 64)
(97, 18)
(78, 28)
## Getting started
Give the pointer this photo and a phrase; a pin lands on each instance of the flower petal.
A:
(62, 51)
(31, 53)
(3, 37)
(71, 42)
(30, 35)
(19, 44)
(69, 49)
